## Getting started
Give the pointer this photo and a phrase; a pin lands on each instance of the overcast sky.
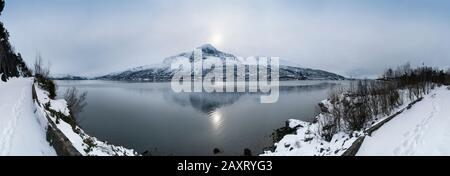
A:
(349, 37)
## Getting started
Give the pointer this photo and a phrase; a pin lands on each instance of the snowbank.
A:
(421, 130)
(22, 132)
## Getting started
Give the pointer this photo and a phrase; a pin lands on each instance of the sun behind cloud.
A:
(216, 39)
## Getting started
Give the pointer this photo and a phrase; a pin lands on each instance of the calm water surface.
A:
(151, 117)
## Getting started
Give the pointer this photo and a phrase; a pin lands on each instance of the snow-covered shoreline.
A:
(308, 142)
(82, 142)
(25, 124)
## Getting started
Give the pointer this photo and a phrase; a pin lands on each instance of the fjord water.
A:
(151, 117)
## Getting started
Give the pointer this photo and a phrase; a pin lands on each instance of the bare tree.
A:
(41, 74)
(40, 68)
(388, 74)
(360, 105)
(75, 101)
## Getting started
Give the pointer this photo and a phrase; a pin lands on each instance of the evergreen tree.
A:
(11, 64)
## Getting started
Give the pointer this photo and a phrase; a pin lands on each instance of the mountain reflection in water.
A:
(151, 117)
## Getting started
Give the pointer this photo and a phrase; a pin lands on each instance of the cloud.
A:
(353, 38)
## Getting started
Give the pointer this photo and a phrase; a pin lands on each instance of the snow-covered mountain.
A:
(68, 77)
(163, 72)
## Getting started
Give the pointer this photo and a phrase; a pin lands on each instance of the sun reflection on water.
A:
(216, 118)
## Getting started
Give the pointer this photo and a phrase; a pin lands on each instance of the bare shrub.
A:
(359, 104)
(41, 74)
(40, 68)
(75, 101)
(358, 107)
(328, 127)
(330, 121)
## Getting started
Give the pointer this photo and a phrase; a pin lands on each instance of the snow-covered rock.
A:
(308, 142)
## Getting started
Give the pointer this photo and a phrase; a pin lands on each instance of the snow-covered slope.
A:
(21, 132)
(422, 130)
(162, 72)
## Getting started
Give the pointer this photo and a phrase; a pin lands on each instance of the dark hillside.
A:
(11, 64)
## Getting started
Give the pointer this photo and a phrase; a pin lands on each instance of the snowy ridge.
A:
(163, 71)
(68, 77)
(85, 144)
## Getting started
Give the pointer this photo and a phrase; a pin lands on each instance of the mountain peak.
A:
(209, 49)
(207, 46)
